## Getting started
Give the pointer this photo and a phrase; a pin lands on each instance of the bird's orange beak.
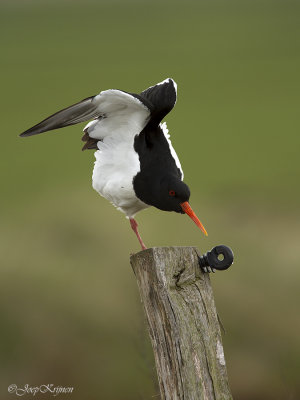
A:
(188, 210)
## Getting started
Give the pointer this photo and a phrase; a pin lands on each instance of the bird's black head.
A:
(165, 192)
(168, 193)
(173, 192)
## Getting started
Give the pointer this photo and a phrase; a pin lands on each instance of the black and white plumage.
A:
(136, 166)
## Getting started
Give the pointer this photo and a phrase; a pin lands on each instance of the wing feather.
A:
(76, 113)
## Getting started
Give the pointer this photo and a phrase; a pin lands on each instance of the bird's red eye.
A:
(171, 193)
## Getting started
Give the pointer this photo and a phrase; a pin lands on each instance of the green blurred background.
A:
(69, 307)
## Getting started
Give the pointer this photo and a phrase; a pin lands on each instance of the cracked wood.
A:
(183, 324)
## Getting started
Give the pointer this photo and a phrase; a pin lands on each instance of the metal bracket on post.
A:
(219, 258)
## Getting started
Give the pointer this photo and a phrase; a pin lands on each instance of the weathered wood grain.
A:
(183, 324)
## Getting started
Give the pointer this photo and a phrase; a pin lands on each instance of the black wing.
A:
(159, 99)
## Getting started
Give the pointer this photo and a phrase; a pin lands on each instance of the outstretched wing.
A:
(113, 110)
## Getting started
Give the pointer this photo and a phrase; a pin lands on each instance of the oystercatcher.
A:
(136, 166)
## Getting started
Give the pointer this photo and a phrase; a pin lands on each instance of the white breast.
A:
(115, 166)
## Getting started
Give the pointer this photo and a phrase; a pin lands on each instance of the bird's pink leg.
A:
(134, 227)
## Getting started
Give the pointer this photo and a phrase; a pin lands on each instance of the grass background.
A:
(69, 307)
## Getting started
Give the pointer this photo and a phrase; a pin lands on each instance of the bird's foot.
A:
(134, 227)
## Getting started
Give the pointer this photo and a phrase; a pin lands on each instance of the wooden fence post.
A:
(183, 324)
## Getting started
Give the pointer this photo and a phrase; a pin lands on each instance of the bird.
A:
(136, 165)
